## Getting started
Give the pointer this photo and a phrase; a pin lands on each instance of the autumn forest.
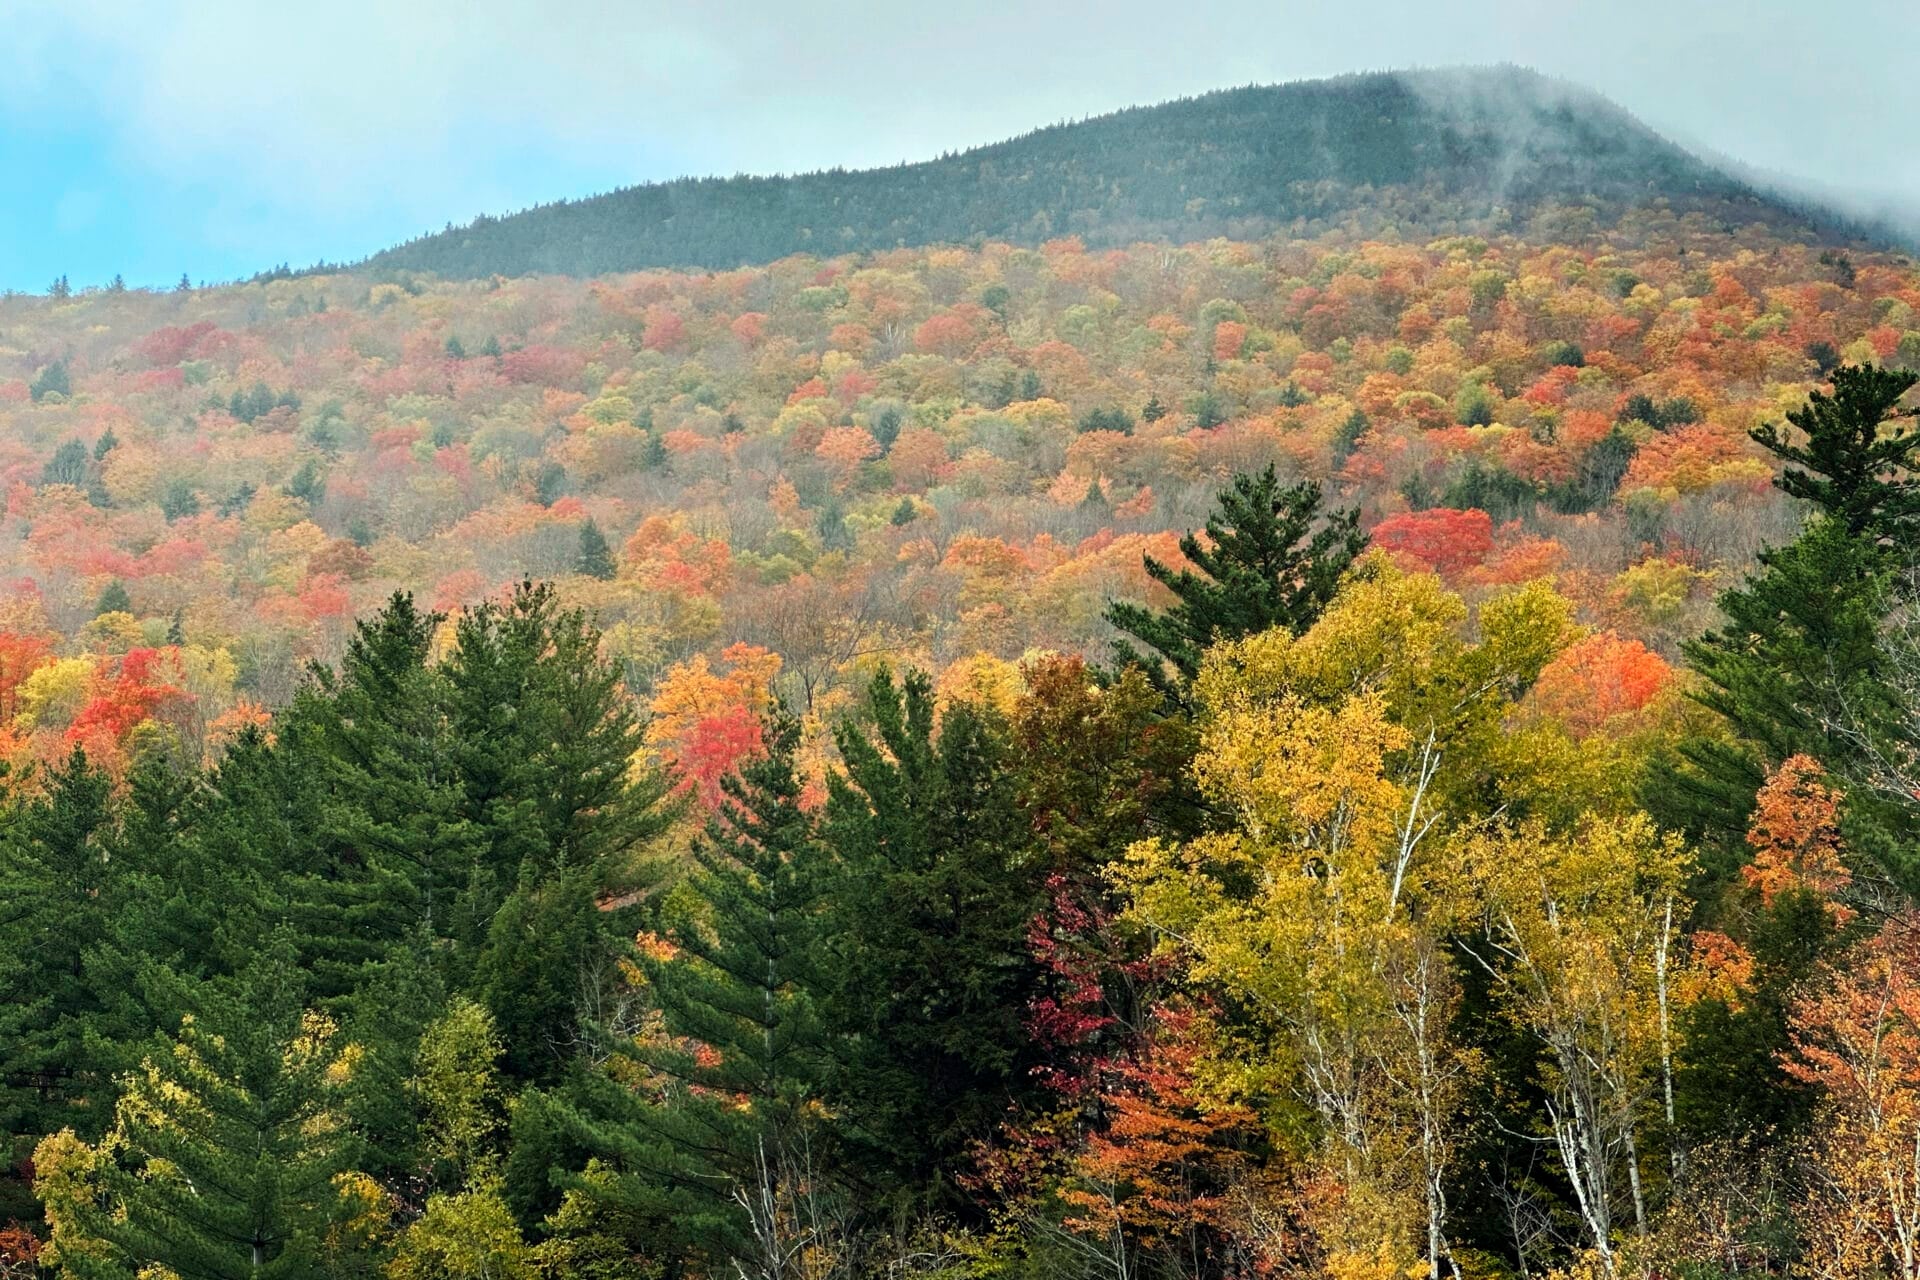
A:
(1374, 749)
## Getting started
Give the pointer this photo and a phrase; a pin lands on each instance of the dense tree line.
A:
(1335, 931)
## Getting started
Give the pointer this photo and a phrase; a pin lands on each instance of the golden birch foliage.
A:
(1320, 914)
(1446, 678)
(1580, 935)
(1578, 923)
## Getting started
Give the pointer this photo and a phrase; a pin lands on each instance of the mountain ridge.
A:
(1440, 150)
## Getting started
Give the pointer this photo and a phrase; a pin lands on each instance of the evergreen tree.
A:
(832, 524)
(549, 483)
(67, 466)
(1732, 1080)
(389, 844)
(105, 445)
(886, 425)
(740, 1059)
(1602, 467)
(743, 973)
(926, 939)
(1348, 437)
(58, 888)
(171, 907)
(1271, 560)
(543, 741)
(1208, 409)
(548, 949)
(225, 1146)
(1857, 462)
(308, 483)
(595, 558)
(1796, 667)
(653, 454)
(178, 501)
(395, 1001)
(113, 599)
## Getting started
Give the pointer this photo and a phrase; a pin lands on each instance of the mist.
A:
(216, 138)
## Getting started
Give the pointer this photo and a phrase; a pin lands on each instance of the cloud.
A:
(333, 128)
(360, 100)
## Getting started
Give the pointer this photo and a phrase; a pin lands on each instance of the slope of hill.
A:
(1440, 150)
(940, 455)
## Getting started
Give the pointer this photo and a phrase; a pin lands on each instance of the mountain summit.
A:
(1433, 150)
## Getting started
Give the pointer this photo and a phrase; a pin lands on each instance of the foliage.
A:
(1269, 561)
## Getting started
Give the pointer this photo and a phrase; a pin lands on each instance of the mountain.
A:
(1431, 150)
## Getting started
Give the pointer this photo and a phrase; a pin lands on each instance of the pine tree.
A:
(114, 599)
(547, 942)
(58, 887)
(653, 454)
(742, 976)
(926, 940)
(832, 525)
(1857, 464)
(160, 880)
(544, 740)
(225, 1146)
(740, 1058)
(1271, 560)
(389, 845)
(549, 483)
(67, 466)
(595, 558)
(1795, 667)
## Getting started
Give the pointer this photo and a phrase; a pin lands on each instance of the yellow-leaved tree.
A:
(1581, 938)
(1317, 918)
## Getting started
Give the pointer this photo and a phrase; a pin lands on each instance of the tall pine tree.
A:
(927, 939)
(1795, 668)
(58, 888)
(595, 558)
(225, 1145)
(729, 1140)
(1272, 558)
(390, 843)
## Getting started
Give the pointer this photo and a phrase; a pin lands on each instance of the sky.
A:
(217, 138)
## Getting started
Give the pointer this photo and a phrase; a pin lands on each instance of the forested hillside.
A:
(1454, 150)
(1352, 756)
